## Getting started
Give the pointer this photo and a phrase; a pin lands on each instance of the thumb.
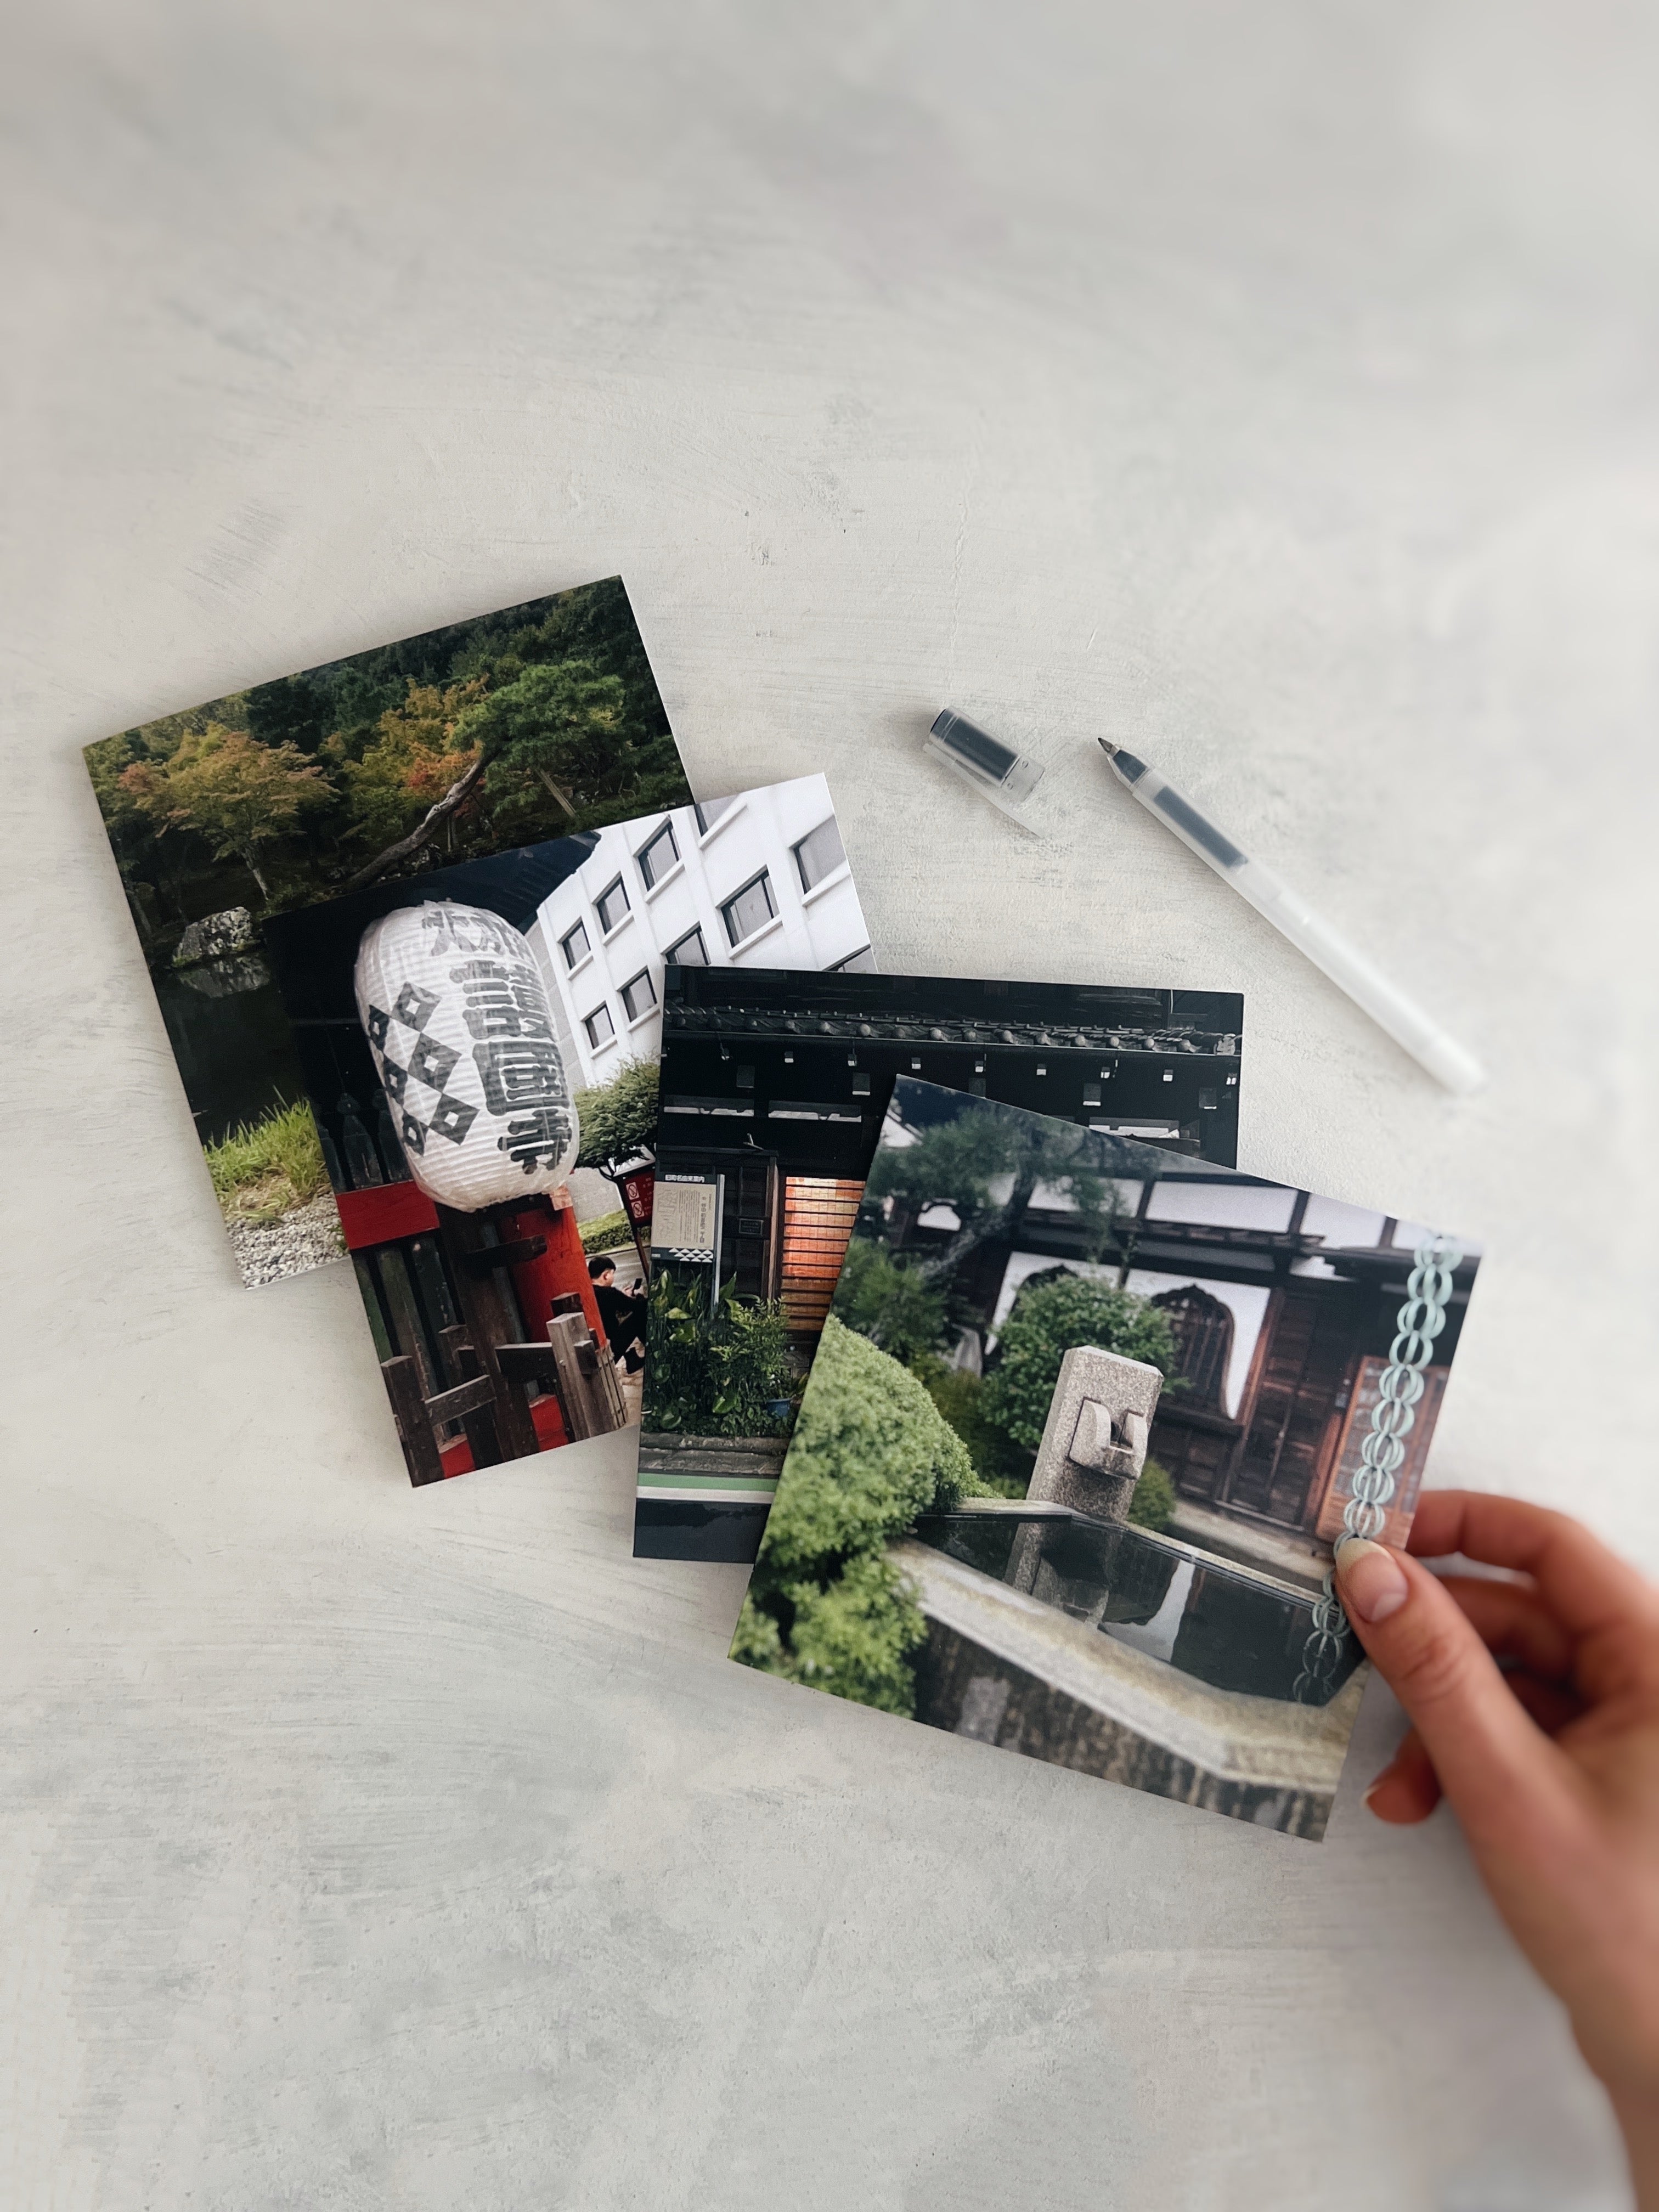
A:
(1491, 1760)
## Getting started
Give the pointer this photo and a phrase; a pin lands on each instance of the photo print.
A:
(1085, 1419)
(477, 1049)
(773, 1090)
(533, 723)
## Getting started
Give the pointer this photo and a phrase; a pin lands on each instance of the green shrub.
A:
(719, 1376)
(853, 1638)
(1153, 1505)
(871, 1452)
(888, 1304)
(1051, 1315)
(265, 1169)
(1001, 1465)
(619, 1118)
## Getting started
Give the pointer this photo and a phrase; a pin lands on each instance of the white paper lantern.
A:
(462, 1032)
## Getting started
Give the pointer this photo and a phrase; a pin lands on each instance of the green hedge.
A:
(607, 1234)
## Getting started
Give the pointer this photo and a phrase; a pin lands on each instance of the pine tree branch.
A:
(434, 817)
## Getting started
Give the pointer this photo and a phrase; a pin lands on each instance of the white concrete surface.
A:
(1275, 384)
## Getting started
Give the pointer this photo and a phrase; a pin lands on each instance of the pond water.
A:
(235, 1052)
(1196, 1613)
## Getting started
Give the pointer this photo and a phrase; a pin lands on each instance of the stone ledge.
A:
(1106, 1698)
(664, 1452)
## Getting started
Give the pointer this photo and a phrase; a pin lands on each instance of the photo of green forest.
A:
(538, 721)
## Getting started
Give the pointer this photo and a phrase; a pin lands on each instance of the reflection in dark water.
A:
(1200, 1615)
(229, 978)
(235, 1051)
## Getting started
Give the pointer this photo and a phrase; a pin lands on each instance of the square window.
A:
(574, 946)
(599, 1026)
(861, 962)
(659, 857)
(819, 854)
(638, 995)
(750, 908)
(709, 812)
(611, 905)
(690, 952)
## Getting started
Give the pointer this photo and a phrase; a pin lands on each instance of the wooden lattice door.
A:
(1309, 1340)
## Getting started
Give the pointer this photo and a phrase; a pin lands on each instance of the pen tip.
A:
(1108, 747)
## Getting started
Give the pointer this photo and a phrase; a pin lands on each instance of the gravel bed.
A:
(308, 1238)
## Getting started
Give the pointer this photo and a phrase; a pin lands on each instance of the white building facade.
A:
(759, 880)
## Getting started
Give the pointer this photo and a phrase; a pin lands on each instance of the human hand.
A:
(1551, 1763)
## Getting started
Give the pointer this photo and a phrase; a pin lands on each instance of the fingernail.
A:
(1373, 1581)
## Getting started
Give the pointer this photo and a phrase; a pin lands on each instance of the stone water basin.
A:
(1223, 1624)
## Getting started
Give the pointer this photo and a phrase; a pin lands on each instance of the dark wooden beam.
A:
(488, 1257)
(402, 1384)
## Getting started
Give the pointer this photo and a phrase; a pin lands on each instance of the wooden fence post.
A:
(587, 1383)
(488, 1323)
(403, 1384)
(462, 1364)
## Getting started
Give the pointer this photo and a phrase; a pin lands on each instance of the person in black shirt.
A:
(622, 1312)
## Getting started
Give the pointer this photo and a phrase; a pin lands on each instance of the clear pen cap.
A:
(996, 771)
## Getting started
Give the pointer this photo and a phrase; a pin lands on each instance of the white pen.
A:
(1276, 901)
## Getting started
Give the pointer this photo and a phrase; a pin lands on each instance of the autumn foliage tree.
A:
(419, 753)
(240, 795)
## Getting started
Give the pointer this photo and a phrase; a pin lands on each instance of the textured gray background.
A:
(1275, 383)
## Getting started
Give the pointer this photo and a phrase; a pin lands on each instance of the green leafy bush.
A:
(888, 1302)
(619, 1118)
(853, 1638)
(871, 1452)
(1153, 1505)
(1051, 1317)
(719, 1375)
(1000, 1464)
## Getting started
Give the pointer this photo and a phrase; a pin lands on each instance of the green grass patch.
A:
(265, 1169)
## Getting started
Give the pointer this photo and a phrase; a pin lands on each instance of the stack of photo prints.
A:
(944, 1302)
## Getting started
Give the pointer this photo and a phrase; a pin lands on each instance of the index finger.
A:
(1500, 1771)
(1586, 1586)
